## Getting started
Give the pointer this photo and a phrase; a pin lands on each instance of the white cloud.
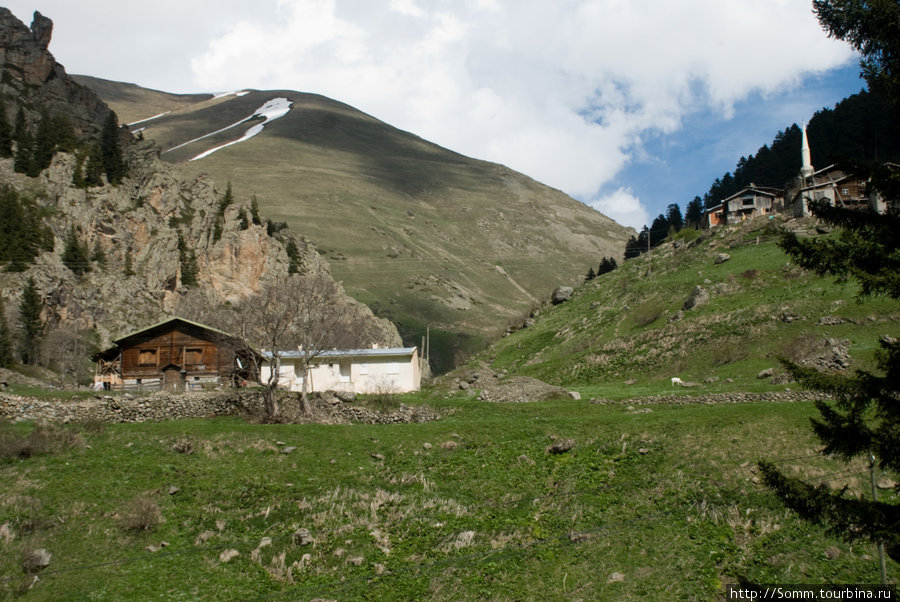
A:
(623, 207)
(562, 91)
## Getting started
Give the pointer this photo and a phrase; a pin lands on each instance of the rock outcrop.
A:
(31, 74)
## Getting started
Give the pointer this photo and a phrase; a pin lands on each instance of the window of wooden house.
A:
(193, 356)
(147, 357)
(845, 191)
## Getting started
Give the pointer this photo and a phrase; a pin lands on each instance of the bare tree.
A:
(306, 314)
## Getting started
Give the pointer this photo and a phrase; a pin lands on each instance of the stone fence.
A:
(719, 398)
(131, 408)
(156, 407)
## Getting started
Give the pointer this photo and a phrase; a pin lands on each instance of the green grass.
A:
(469, 507)
(623, 326)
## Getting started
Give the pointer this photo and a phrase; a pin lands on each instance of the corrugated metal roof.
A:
(339, 353)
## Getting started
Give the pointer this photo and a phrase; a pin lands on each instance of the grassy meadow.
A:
(652, 502)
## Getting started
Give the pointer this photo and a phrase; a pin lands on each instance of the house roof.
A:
(106, 353)
(348, 353)
(170, 320)
(754, 189)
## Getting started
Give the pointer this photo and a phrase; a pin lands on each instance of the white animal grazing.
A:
(677, 381)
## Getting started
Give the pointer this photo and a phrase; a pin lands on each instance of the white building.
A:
(391, 370)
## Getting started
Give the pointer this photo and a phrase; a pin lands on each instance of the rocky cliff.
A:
(35, 81)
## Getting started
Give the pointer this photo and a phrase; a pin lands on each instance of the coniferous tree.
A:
(30, 320)
(254, 211)
(188, 261)
(20, 127)
(590, 275)
(863, 420)
(659, 230)
(293, 254)
(23, 160)
(111, 150)
(693, 216)
(93, 170)
(243, 219)
(44, 145)
(6, 348)
(5, 133)
(75, 255)
(674, 218)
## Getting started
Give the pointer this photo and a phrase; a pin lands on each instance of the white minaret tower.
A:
(806, 168)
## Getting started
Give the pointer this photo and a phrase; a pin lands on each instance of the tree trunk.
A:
(304, 398)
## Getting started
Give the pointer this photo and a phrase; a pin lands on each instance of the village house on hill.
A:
(831, 184)
(173, 355)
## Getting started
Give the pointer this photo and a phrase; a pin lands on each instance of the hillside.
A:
(423, 235)
(627, 332)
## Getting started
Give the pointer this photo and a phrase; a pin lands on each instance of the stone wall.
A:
(131, 408)
(156, 407)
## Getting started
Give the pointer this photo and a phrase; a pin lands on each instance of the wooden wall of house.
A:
(145, 355)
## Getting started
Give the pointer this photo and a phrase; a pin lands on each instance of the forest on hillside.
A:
(861, 127)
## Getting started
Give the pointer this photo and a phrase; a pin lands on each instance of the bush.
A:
(142, 514)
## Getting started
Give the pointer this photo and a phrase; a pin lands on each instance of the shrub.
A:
(142, 514)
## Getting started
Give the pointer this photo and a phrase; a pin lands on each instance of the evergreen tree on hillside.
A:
(590, 275)
(693, 215)
(6, 348)
(93, 169)
(674, 218)
(75, 255)
(863, 420)
(111, 150)
(188, 260)
(5, 133)
(23, 234)
(30, 321)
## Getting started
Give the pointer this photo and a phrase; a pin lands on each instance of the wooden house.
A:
(173, 355)
(839, 189)
(752, 202)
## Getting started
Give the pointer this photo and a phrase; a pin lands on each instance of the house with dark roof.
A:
(173, 355)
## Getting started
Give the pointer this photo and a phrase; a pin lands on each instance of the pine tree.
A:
(293, 254)
(188, 261)
(23, 160)
(93, 171)
(6, 349)
(243, 219)
(44, 145)
(693, 216)
(111, 150)
(673, 217)
(590, 275)
(30, 320)
(863, 420)
(254, 211)
(5, 133)
(75, 255)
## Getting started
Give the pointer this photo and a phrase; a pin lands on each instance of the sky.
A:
(627, 105)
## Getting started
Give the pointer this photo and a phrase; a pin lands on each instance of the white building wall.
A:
(364, 374)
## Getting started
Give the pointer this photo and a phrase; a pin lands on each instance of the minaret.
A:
(806, 169)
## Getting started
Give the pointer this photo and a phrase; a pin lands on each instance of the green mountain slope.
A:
(626, 333)
(424, 235)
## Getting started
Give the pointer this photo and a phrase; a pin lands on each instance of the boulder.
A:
(698, 296)
(561, 294)
(721, 258)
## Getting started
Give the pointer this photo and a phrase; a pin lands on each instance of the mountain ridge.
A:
(428, 237)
